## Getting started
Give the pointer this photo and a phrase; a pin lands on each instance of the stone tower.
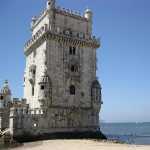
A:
(5, 100)
(60, 74)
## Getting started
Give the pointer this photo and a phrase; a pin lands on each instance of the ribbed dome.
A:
(5, 90)
(96, 84)
(88, 10)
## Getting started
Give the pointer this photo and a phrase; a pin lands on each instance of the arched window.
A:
(72, 90)
(32, 90)
(72, 68)
(72, 50)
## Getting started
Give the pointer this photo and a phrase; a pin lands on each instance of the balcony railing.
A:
(36, 36)
(61, 33)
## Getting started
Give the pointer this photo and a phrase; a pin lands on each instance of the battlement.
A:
(70, 12)
(24, 111)
(58, 9)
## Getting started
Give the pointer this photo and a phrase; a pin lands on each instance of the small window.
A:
(34, 72)
(1, 97)
(72, 68)
(74, 50)
(42, 87)
(72, 90)
(32, 91)
(70, 50)
(76, 69)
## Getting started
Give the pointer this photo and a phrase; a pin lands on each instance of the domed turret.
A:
(88, 14)
(6, 90)
(51, 4)
(5, 96)
(34, 19)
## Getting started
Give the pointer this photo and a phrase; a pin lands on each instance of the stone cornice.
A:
(47, 35)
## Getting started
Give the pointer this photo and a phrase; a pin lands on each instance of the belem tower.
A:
(61, 90)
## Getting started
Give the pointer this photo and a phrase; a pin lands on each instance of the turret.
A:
(5, 94)
(34, 19)
(51, 4)
(5, 98)
(88, 14)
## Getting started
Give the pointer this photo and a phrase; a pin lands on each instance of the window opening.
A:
(72, 90)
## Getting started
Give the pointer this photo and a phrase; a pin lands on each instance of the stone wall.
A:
(40, 121)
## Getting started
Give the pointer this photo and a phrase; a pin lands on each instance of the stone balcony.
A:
(36, 37)
(45, 30)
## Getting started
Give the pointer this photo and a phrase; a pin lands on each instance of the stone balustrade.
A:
(61, 10)
(39, 33)
(15, 111)
(69, 11)
(45, 29)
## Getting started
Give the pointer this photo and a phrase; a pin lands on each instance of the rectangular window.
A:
(42, 87)
(32, 91)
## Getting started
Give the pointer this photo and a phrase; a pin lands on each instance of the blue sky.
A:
(123, 59)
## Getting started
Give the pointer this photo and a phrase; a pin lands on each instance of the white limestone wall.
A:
(38, 60)
(54, 120)
(88, 74)
(27, 84)
(40, 69)
(44, 20)
(67, 22)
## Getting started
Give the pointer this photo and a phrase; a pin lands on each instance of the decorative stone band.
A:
(66, 39)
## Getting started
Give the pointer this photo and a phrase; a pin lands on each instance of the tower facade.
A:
(60, 74)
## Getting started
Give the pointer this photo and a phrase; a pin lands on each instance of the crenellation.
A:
(69, 12)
